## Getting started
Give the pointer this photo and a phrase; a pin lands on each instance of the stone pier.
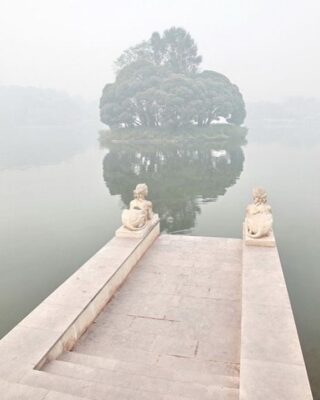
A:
(161, 317)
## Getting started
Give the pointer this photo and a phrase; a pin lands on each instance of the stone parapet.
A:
(271, 364)
(56, 324)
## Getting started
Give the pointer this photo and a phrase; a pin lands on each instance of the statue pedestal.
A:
(265, 241)
(126, 233)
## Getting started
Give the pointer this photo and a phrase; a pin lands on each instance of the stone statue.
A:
(258, 222)
(140, 210)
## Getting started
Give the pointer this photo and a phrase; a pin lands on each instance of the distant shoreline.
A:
(218, 132)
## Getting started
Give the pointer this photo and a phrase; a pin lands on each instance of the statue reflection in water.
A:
(179, 176)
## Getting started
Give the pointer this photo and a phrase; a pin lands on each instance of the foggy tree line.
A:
(25, 106)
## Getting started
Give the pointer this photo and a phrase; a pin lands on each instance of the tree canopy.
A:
(158, 84)
(175, 49)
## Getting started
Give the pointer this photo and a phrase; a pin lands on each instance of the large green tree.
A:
(175, 49)
(158, 85)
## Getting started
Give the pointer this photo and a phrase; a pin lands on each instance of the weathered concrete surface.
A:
(173, 329)
(191, 313)
(270, 348)
(56, 324)
(16, 391)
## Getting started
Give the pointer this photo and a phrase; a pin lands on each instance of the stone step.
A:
(132, 382)
(55, 395)
(184, 373)
(134, 355)
(12, 390)
(84, 389)
(17, 391)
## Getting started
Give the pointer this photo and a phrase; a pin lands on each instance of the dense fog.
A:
(200, 100)
(269, 48)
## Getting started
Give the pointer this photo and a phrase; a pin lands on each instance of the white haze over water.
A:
(269, 48)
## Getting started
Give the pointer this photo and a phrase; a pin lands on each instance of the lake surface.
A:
(61, 196)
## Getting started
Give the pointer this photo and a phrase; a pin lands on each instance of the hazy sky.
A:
(269, 48)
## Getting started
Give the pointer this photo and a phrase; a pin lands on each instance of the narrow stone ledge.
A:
(57, 323)
(262, 380)
(22, 348)
(271, 364)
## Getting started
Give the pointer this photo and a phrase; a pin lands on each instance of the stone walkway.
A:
(172, 331)
(187, 307)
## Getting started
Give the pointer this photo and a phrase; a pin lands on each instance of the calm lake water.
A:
(61, 195)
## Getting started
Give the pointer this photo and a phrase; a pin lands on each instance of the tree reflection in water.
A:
(179, 176)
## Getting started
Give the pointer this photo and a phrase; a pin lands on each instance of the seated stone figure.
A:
(258, 221)
(140, 210)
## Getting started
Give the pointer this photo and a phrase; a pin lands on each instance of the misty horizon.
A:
(194, 121)
(268, 49)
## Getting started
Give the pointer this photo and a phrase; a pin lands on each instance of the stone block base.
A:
(266, 241)
(126, 233)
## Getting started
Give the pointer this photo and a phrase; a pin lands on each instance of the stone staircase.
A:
(97, 378)
(191, 318)
(172, 331)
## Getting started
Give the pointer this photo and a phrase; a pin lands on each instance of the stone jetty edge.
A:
(271, 362)
(56, 324)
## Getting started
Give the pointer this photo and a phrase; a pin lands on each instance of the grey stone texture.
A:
(170, 317)
(171, 331)
(270, 348)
